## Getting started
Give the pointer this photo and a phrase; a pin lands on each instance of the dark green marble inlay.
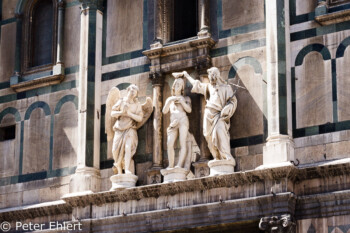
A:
(320, 31)
(309, 48)
(245, 61)
(38, 104)
(37, 176)
(65, 99)
(248, 45)
(342, 47)
(125, 72)
(238, 30)
(296, 19)
(130, 55)
(248, 141)
(10, 110)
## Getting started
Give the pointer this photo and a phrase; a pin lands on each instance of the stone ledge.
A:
(323, 205)
(180, 55)
(37, 83)
(170, 189)
(226, 212)
(236, 179)
(332, 18)
(263, 179)
(37, 210)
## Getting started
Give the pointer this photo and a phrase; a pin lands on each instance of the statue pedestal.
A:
(220, 167)
(174, 174)
(123, 181)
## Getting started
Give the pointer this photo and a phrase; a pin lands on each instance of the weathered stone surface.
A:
(233, 17)
(124, 26)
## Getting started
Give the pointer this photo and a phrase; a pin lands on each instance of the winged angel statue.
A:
(124, 116)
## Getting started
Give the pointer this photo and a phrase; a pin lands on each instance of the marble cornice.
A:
(34, 211)
(181, 47)
(305, 205)
(332, 18)
(37, 83)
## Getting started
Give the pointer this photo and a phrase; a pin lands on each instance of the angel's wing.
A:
(113, 97)
(147, 109)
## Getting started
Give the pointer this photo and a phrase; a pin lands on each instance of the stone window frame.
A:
(26, 77)
(164, 23)
(27, 40)
(332, 11)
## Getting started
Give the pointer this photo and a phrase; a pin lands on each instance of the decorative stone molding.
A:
(332, 18)
(36, 83)
(261, 204)
(156, 78)
(177, 56)
(325, 17)
(277, 224)
(33, 211)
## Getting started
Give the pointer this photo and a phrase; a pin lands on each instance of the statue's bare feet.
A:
(128, 172)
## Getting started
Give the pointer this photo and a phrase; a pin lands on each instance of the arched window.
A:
(39, 44)
(42, 24)
(40, 32)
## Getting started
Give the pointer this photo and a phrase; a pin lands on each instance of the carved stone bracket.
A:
(91, 4)
(156, 78)
(277, 224)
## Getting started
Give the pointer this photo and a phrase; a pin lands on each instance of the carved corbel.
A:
(156, 79)
(277, 224)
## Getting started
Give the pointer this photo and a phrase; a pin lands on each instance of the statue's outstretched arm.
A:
(189, 78)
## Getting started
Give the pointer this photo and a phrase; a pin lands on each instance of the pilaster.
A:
(279, 147)
(87, 176)
(154, 175)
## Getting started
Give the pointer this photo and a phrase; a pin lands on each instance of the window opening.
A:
(7, 133)
(185, 19)
(42, 33)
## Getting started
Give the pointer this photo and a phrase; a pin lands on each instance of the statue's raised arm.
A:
(220, 106)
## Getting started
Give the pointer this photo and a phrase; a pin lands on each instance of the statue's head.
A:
(133, 91)
(178, 87)
(214, 76)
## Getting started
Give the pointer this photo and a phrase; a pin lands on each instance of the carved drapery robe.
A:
(215, 126)
(125, 130)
